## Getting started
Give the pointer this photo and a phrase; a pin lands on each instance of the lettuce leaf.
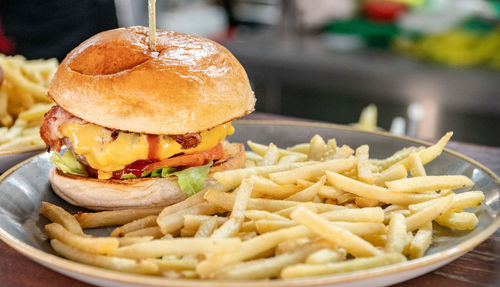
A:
(191, 179)
(128, 176)
(68, 163)
(159, 172)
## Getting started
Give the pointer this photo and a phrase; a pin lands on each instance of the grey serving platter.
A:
(26, 185)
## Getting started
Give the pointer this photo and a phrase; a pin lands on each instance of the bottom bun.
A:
(110, 194)
(98, 194)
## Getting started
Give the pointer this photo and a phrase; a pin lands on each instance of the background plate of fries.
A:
(321, 212)
(23, 103)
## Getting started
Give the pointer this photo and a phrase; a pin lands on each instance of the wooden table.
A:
(479, 267)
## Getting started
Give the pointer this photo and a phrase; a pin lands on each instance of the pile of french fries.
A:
(308, 210)
(23, 99)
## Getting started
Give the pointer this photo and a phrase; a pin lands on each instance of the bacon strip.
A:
(49, 131)
(189, 140)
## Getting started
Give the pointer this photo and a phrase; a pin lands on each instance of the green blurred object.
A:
(375, 34)
(475, 43)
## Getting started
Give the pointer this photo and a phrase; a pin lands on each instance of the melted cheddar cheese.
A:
(108, 154)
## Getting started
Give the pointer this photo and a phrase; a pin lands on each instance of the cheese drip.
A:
(107, 153)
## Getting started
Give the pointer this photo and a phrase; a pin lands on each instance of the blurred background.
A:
(427, 66)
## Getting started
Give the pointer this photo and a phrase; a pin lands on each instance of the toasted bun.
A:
(99, 194)
(189, 84)
(109, 194)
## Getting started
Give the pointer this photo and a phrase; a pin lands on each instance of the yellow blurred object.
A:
(368, 119)
(458, 47)
(411, 2)
(23, 99)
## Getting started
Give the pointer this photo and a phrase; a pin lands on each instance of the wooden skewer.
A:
(152, 24)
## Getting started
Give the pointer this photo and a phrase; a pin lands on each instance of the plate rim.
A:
(52, 261)
(20, 150)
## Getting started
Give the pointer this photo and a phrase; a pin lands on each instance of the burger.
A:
(143, 127)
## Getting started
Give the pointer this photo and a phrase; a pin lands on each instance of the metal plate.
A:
(24, 187)
(9, 158)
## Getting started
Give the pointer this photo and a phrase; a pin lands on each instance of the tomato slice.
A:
(189, 160)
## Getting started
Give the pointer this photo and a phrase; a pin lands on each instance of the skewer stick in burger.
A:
(143, 128)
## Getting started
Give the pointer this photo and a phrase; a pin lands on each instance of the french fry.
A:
(248, 226)
(302, 148)
(368, 214)
(331, 149)
(178, 246)
(268, 267)
(154, 231)
(421, 241)
(249, 249)
(290, 245)
(241, 201)
(36, 112)
(378, 240)
(317, 147)
(232, 178)
(343, 152)
(458, 220)
(374, 192)
(363, 165)
(396, 234)
(429, 213)
(119, 264)
(232, 226)
(267, 225)
(115, 217)
(261, 150)
(176, 264)
(428, 154)
(102, 245)
(262, 214)
(148, 221)
(206, 228)
(124, 241)
(21, 141)
(252, 156)
(173, 222)
(326, 255)
(328, 192)
(309, 205)
(415, 165)
(271, 156)
(396, 171)
(345, 198)
(268, 187)
(462, 200)
(226, 201)
(5, 118)
(193, 221)
(398, 156)
(187, 203)
(305, 270)
(338, 236)
(288, 159)
(363, 202)
(429, 183)
(308, 193)
(186, 232)
(358, 228)
(58, 215)
(312, 171)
